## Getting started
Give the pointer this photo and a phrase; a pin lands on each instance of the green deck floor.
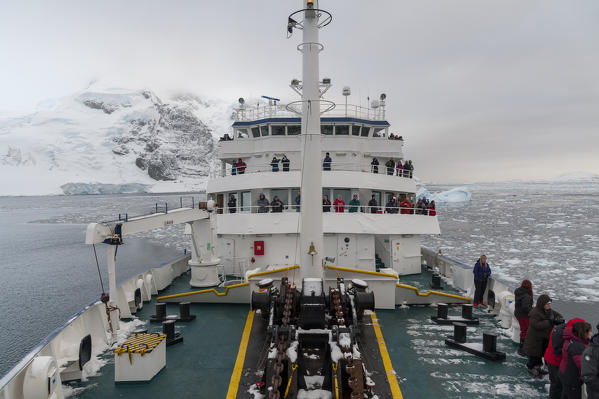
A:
(201, 366)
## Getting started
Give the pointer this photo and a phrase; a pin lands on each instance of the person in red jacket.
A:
(240, 165)
(553, 357)
(576, 340)
(405, 207)
(431, 209)
(339, 204)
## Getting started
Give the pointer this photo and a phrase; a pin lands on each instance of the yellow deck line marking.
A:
(206, 291)
(393, 384)
(346, 269)
(433, 292)
(236, 376)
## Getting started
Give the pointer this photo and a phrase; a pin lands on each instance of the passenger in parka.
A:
(590, 367)
(542, 320)
(523, 306)
(576, 339)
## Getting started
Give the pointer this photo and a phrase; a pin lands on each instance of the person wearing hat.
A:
(590, 367)
(553, 357)
(354, 204)
(542, 320)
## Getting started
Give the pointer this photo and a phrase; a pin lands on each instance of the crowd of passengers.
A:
(405, 169)
(569, 350)
(401, 206)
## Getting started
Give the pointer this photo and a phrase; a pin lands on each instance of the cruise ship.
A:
(305, 258)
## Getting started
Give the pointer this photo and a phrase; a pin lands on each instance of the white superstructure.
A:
(252, 236)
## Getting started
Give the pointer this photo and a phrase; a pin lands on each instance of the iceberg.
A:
(455, 195)
(102, 188)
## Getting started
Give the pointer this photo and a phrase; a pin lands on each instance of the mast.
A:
(311, 232)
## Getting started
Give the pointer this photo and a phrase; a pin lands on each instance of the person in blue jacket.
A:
(326, 162)
(298, 201)
(481, 271)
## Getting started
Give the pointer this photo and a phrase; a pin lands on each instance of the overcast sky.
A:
(481, 90)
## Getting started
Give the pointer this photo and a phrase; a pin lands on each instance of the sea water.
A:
(548, 233)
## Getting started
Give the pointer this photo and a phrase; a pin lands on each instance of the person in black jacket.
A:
(326, 162)
(285, 162)
(232, 204)
(374, 165)
(275, 164)
(276, 205)
(373, 205)
(576, 340)
(589, 367)
(523, 306)
(542, 320)
(326, 204)
(390, 164)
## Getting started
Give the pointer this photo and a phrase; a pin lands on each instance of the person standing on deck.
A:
(285, 162)
(240, 166)
(275, 164)
(326, 204)
(481, 271)
(298, 201)
(542, 320)
(398, 168)
(263, 204)
(553, 357)
(431, 209)
(276, 205)
(523, 306)
(354, 204)
(372, 204)
(232, 204)
(374, 165)
(326, 162)
(390, 164)
(339, 204)
(576, 340)
(590, 367)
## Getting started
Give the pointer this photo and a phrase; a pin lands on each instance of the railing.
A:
(347, 208)
(159, 207)
(334, 166)
(280, 111)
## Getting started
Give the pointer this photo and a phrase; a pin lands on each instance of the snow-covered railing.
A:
(347, 208)
(334, 166)
(251, 113)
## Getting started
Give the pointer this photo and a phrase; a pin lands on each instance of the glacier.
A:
(112, 140)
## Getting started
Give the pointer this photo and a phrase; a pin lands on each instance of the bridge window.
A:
(341, 130)
(277, 130)
(256, 132)
(264, 130)
(326, 129)
(355, 130)
(294, 130)
(365, 130)
(242, 133)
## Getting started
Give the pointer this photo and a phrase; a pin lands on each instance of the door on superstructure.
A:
(347, 251)
(227, 254)
(220, 202)
(246, 201)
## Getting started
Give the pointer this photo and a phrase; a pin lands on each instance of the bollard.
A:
(467, 311)
(160, 313)
(436, 281)
(442, 311)
(184, 314)
(168, 328)
(489, 342)
(459, 332)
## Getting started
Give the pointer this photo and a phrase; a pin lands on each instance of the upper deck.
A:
(274, 129)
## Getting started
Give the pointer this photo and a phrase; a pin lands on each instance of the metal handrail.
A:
(335, 166)
(251, 113)
(290, 208)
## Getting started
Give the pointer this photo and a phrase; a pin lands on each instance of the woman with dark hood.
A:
(523, 306)
(589, 367)
(232, 204)
(542, 320)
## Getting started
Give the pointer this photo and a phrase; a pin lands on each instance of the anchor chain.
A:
(353, 366)
(282, 344)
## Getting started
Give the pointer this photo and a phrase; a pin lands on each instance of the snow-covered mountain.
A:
(111, 140)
